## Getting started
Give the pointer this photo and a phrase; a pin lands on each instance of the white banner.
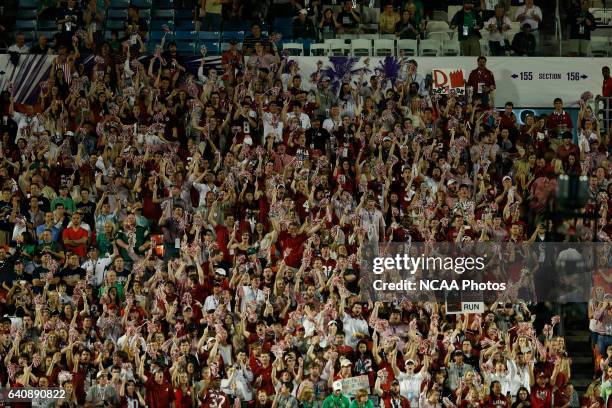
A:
(351, 385)
(526, 81)
(446, 79)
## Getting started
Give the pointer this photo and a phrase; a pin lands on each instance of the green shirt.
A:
(119, 287)
(336, 402)
(141, 237)
(368, 404)
(605, 391)
(105, 245)
(67, 202)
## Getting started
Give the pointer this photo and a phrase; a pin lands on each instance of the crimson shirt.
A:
(556, 119)
(541, 397)
(606, 90)
(295, 245)
(158, 395)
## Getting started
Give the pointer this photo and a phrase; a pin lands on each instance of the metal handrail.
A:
(558, 32)
(603, 112)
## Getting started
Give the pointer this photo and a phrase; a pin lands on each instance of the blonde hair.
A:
(361, 393)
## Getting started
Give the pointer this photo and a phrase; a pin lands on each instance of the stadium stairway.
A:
(577, 337)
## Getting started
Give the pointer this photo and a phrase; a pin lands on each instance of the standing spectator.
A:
(524, 43)
(103, 394)
(606, 88)
(210, 11)
(336, 399)
(468, 24)
(392, 398)
(20, 46)
(388, 19)
(303, 28)
(75, 236)
(488, 7)
(361, 400)
(581, 23)
(482, 82)
(284, 399)
(530, 14)
(70, 18)
(559, 121)
(349, 19)
(497, 26)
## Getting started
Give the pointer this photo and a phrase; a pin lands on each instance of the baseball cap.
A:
(507, 178)
(337, 386)
(303, 11)
(410, 361)
(345, 362)
(451, 181)
(220, 271)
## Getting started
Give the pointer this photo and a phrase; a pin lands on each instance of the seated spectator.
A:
(497, 26)
(408, 27)
(248, 47)
(303, 27)
(349, 18)
(20, 46)
(531, 14)
(42, 46)
(387, 20)
(524, 43)
(328, 26)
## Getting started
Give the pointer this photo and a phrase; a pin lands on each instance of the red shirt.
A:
(266, 378)
(606, 90)
(295, 247)
(541, 397)
(223, 237)
(556, 119)
(499, 401)
(182, 399)
(401, 402)
(72, 234)
(158, 395)
(477, 76)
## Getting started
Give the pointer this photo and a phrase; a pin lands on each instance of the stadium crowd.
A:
(177, 238)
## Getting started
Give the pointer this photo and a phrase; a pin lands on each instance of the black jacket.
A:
(474, 31)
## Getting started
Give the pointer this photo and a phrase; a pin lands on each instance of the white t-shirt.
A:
(410, 387)
(529, 14)
(497, 35)
(24, 122)
(304, 119)
(273, 124)
(352, 326)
